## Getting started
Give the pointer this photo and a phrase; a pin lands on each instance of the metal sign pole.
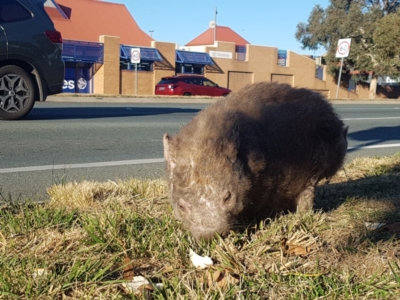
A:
(136, 80)
(135, 59)
(342, 51)
(340, 76)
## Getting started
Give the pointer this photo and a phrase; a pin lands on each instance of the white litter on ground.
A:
(200, 262)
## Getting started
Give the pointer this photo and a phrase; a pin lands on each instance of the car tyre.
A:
(17, 95)
(224, 95)
(187, 94)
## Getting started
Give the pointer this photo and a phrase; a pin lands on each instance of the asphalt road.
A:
(60, 142)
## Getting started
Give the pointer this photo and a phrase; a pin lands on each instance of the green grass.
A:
(80, 244)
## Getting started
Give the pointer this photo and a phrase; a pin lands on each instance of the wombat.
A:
(258, 152)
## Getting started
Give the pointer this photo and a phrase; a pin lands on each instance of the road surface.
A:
(60, 142)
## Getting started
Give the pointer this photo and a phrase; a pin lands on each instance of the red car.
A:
(189, 85)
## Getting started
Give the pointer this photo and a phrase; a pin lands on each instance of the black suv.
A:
(31, 65)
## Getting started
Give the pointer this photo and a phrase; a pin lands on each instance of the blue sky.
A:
(261, 22)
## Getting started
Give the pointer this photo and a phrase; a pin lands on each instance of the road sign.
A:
(135, 55)
(342, 51)
(343, 48)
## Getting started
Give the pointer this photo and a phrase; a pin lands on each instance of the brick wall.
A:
(145, 84)
(107, 78)
(261, 64)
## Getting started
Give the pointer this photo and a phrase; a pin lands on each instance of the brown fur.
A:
(258, 152)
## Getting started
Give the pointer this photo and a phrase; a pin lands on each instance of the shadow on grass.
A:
(374, 198)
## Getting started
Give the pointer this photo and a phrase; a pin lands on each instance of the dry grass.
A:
(90, 233)
(87, 195)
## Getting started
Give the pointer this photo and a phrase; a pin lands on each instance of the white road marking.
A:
(135, 162)
(357, 119)
(374, 147)
(85, 165)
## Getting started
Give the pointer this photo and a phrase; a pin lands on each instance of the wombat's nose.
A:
(206, 236)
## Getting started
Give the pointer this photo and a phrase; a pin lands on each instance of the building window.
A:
(143, 66)
(81, 60)
(78, 51)
(352, 85)
(319, 72)
(192, 62)
(147, 58)
(240, 53)
(189, 69)
(78, 77)
(282, 58)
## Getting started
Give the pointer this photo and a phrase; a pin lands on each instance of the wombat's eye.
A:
(181, 205)
(227, 197)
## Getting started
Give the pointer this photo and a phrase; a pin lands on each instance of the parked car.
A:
(189, 85)
(31, 65)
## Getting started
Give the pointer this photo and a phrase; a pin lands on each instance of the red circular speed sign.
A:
(135, 55)
(343, 48)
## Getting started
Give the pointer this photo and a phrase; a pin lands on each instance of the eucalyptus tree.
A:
(372, 25)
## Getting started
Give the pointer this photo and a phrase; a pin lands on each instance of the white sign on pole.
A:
(135, 59)
(342, 51)
(343, 48)
(135, 55)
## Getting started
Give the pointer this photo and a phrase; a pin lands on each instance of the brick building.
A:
(98, 37)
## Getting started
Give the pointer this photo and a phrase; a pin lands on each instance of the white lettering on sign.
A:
(221, 54)
(69, 84)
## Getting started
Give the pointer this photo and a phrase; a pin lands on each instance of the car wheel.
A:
(187, 94)
(224, 95)
(16, 93)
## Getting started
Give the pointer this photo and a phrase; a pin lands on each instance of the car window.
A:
(167, 81)
(12, 11)
(197, 81)
(207, 82)
(188, 80)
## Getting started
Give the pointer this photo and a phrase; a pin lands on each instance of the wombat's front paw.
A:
(305, 201)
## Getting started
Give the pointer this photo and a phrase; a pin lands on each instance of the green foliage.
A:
(387, 44)
(373, 27)
(81, 249)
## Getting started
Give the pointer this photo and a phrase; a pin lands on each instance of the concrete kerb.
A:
(84, 98)
(365, 101)
(130, 99)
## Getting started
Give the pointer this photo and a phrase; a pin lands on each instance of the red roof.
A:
(86, 20)
(223, 34)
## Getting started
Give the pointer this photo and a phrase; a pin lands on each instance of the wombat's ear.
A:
(231, 147)
(168, 151)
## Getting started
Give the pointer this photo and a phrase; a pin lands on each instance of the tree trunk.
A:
(372, 87)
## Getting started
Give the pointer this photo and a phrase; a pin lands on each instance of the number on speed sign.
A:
(135, 55)
(343, 48)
